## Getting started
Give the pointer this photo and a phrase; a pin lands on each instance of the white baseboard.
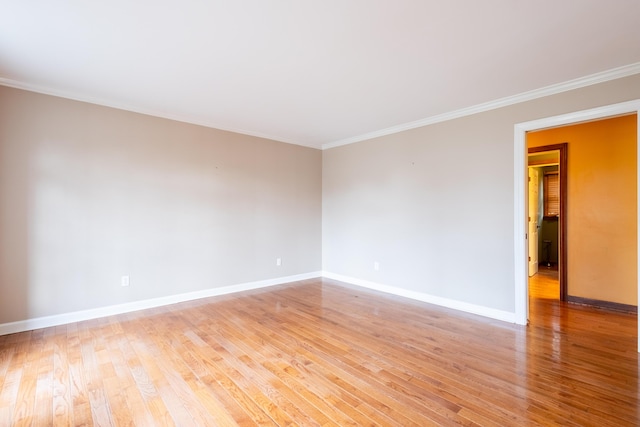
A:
(431, 299)
(78, 316)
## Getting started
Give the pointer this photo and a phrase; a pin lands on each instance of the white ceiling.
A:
(314, 73)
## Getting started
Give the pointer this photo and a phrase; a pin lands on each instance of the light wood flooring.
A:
(545, 284)
(321, 353)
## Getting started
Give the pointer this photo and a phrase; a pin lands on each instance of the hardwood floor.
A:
(545, 284)
(321, 353)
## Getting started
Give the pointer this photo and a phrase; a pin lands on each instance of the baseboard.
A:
(431, 299)
(78, 316)
(607, 305)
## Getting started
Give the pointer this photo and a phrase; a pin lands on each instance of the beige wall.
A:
(434, 206)
(601, 207)
(89, 193)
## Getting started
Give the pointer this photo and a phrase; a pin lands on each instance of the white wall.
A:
(89, 193)
(434, 206)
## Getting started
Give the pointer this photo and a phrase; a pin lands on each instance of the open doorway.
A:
(520, 191)
(602, 210)
(547, 201)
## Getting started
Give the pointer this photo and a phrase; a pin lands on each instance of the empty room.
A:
(408, 213)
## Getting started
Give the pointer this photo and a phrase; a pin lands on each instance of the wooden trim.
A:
(616, 306)
(562, 220)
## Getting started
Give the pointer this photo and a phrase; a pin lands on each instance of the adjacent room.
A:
(319, 213)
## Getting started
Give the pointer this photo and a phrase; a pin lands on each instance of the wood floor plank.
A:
(62, 405)
(494, 374)
(43, 414)
(300, 393)
(25, 403)
(348, 384)
(143, 382)
(219, 404)
(319, 352)
(100, 410)
(312, 372)
(359, 355)
(167, 354)
(295, 407)
(81, 409)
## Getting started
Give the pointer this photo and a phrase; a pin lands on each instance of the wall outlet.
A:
(278, 262)
(376, 265)
(124, 281)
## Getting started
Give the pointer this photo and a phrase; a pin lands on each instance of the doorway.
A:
(547, 220)
(520, 191)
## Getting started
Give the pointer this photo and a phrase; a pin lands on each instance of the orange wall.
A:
(601, 207)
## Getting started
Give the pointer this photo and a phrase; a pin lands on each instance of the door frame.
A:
(521, 288)
(562, 217)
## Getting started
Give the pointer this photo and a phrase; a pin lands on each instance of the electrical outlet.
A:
(124, 281)
(278, 262)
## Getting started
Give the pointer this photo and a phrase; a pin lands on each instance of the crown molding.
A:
(592, 79)
(613, 74)
(148, 112)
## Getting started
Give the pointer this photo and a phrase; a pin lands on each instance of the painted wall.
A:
(89, 193)
(549, 231)
(425, 206)
(601, 207)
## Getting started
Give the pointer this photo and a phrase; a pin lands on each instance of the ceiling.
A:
(313, 73)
